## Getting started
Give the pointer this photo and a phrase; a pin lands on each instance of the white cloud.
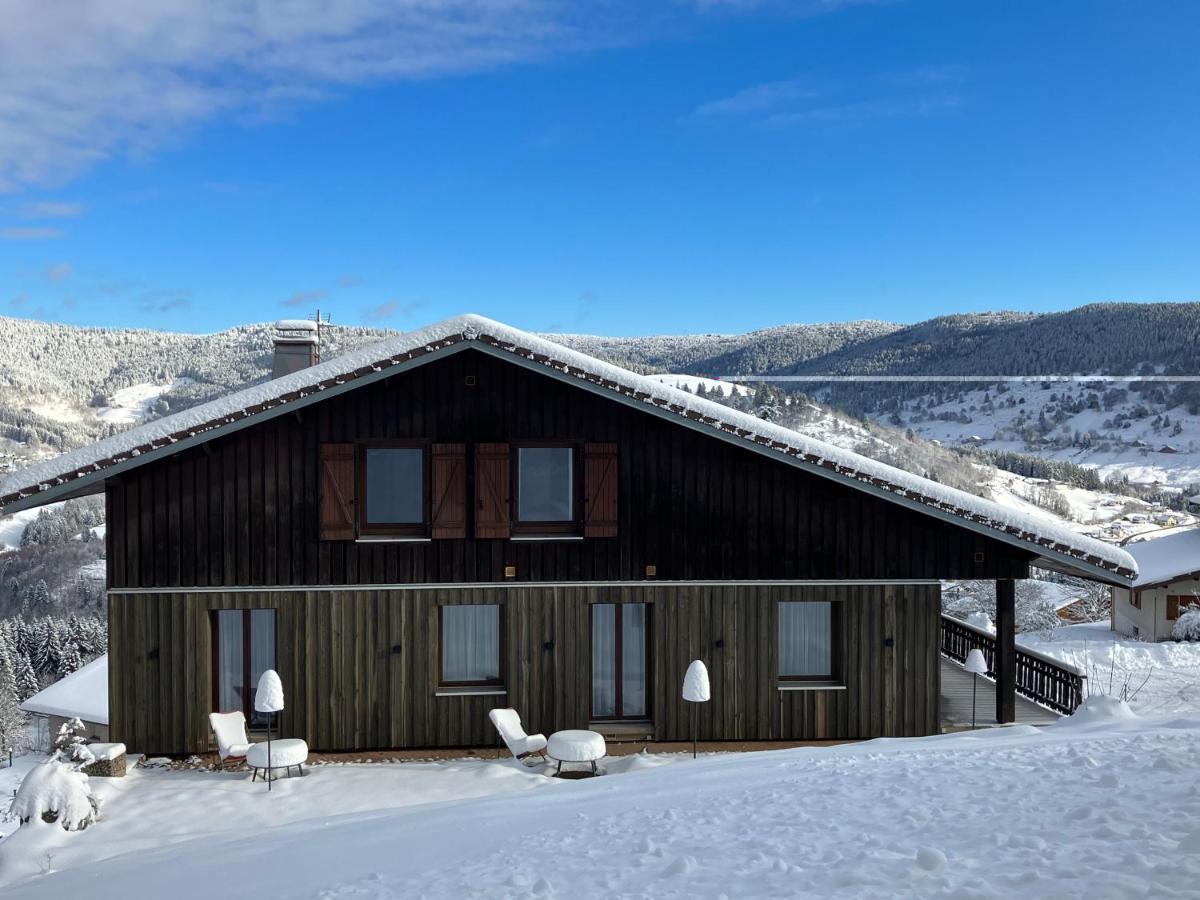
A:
(83, 81)
(30, 234)
(60, 272)
(50, 209)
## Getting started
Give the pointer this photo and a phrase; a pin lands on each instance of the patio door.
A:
(620, 661)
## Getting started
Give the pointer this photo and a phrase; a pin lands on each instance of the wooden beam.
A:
(1006, 651)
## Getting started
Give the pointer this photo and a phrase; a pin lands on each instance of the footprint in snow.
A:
(682, 866)
(931, 859)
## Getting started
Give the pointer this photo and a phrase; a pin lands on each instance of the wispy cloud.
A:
(21, 300)
(390, 309)
(920, 92)
(60, 272)
(304, 298)
(350, 281)
(165, 300)
(81, 82)
(52, 210)
(34, 233)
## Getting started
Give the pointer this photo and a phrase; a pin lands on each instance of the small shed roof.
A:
(82, 694)
(1166, 555)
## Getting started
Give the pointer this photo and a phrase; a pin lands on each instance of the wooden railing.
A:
(1043, 679)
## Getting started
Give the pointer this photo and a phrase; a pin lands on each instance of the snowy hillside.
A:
(1096, 806)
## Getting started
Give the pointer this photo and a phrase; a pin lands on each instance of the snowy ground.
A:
(1165, 676)
(1096, 807)
(129, 406)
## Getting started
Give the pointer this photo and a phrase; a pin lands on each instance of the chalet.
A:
(1167, 583)
(471, 516)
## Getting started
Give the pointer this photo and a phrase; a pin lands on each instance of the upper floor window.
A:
(393, 488)
(546, 488)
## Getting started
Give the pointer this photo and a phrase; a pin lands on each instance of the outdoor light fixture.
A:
(976, 664)
(268, 699)
(696, 689)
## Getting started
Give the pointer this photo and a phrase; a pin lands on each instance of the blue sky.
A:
(609, 167)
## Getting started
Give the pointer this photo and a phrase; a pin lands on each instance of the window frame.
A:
(1135, 599)
(497, 682)
(619, 660)
(214, 618)
(835, 647)
(409, 529)
(572, 526)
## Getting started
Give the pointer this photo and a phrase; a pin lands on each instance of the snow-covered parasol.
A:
(696, 689)
(976, 664)
(268, 698)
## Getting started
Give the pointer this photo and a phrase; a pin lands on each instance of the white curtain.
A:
(806, 639)
(230, 662)
(262, 654)
(633, 662)
(470, 643)
(604, 659)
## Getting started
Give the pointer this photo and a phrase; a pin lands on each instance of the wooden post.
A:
(1005, 664)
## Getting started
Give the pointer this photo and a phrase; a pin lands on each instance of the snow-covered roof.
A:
(296, 325)
(1162, 557)
(83, 693)
(58, 477)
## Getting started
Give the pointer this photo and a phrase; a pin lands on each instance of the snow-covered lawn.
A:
(1113, 661)
(1097, 807)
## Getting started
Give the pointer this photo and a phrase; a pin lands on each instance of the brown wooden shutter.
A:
(449, 477)
(600, 490)
(1173, 607)
(492, 476)
(338, 500)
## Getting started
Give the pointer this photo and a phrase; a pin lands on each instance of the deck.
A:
(956, 701)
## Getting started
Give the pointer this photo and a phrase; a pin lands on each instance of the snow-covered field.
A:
(129, 406)
(1159, 677)
(1100, 806)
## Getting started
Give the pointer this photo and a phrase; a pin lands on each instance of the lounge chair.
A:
(230, 731)
(520, 744)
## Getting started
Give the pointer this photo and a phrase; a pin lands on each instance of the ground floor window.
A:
(620, 660)
(243, 648)
(808, 645)
(471, 645)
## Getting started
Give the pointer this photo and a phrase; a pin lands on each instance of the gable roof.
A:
(1164, 557)
(80, 471)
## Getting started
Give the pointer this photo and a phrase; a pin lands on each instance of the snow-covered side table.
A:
(286, 753)
(576, 746)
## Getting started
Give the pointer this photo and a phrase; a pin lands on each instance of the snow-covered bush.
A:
(1187, 626)
(981, 620)
(70, 746)
(55, 792)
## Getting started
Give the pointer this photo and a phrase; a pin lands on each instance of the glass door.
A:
(620, 660)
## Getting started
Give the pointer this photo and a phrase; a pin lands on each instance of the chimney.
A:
(297, 346)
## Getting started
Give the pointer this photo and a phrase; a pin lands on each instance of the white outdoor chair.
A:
(520, 744)
(230, 731)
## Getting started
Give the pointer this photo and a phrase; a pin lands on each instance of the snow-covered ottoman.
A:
(576, 746)
(286, 753)
(108, 760)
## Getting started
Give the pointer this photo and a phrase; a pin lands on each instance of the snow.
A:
(809, 452)
(1162, 677)
(576, 745)
(696, 688)
(692, 382)
(54, 787)
(105, 751)
(1098, 811)
(280, 754)
(82, 694)
(12, 528)
(1163, 557)
(269, 696)
(130, 405)
(296, 325)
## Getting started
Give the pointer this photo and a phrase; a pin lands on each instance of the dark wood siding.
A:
(243, 510)
(359, 667)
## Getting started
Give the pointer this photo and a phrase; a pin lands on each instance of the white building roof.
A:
(1164, 556)
(71, 473)
(82, 694)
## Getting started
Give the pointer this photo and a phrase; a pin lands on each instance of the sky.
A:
(604, 166)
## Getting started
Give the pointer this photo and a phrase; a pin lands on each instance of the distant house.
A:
(81, 695)
(1168, 581)
(470, 516)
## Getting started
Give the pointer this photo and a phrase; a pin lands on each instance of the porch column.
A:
(1005, 664)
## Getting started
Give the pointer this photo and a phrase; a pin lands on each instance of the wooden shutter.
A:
(600, 490)
(492, 476)
(449, 477)
(338, 500)
(1173, 606)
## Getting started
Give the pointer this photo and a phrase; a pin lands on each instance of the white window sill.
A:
(546, 537)
(811, 686)
(393, 539)
(471, 692)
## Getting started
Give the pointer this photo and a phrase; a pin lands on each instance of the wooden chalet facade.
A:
(471, 517)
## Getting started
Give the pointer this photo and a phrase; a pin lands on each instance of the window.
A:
(243, 648)
(1135, 599)
(546, 488)
(808, 641)
(1176, 603)
(393, 490)
(472, 645)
